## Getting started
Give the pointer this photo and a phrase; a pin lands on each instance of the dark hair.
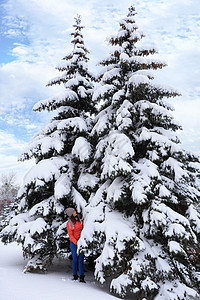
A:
(74, 219)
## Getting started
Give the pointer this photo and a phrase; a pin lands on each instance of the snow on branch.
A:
(81, 149)
(47, 170)
(62, 186)
(176, 167)
(76, 123)
(53, 102)
(117, 148)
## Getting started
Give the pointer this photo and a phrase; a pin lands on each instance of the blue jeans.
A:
(77, 260)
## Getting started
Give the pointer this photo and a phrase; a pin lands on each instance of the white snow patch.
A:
(46, 169)
(56, 284)
(87, 180)
(62, 186)
(81, 148)
(175, 247)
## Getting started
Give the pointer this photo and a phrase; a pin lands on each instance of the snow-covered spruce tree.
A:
(60, 150)
(141, 220)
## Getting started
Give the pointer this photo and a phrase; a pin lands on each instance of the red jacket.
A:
(74, 231)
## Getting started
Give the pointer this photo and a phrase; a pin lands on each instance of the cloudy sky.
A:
(35, 35)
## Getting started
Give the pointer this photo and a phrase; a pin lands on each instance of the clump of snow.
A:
(179, 291)
(46, 207)
(175, 247)
(119, 284)
(52, 102)
(164, 192)
(87, 180)
(62, 186)
(81, 149)
(103, 90)
(138, 79)
(45, 170)
(115, 190)
(148, 284)
(109, 75)
(176, 167)
(102, 122)
(117, 148)
(77, 123)
(78, 200)
(194, 217)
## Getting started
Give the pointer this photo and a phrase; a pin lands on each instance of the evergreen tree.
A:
(8, 195)
(60, 150)
(8, 189)
(141, 221)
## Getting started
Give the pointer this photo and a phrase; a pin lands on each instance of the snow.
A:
(138, 192)
(42, 144)
(157, 218)
(119, 283)
(76, 81)
(77, 123)
(103, 90)
(52, 102)
(78, 200)
(87, 180)
(117, 148)
(81, 148)
(162, 265)
(164, 192)
(62, 186)
(125, 22)
(156, 109)
(124, 57)
(172, 215)
(161, 141)
(38, 225)
(109, 75)
(56, 284)
(148, 48)
(45, 207)
(149, 284)
(194, 217)
(123, 113)
(176, 167)
(177, 230)
(115, 236)
(108, 231)
(46, 169)
(179, 289)
(82, 92)
(115, 190)
(147, 61)
(175, 247)
(102, 122)
(147, 170)
(138, 79)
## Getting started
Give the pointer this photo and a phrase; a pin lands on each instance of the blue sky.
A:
(35, 35)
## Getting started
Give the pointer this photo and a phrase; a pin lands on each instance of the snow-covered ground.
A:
(57, 284)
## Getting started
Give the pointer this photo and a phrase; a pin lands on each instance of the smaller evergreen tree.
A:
(8, 189)
(60, 150)
(8, 195)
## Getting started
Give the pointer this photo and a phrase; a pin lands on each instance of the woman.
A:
(74, 228)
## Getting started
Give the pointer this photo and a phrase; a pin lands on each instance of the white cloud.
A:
(21, 80)
(7, 140)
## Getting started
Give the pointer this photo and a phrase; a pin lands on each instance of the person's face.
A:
(74, 213)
